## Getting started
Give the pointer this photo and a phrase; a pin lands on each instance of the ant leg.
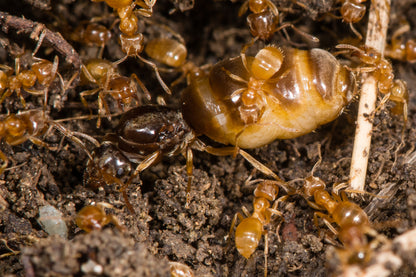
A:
(261, 167)
(359, 36)
(142, 86)
(243, 9)
(244, 50)
(327, 220)
(266, 250)
(110, 218)
(42, 143)
(88, 93)
(159, 78)
(6, 94)
(302, 33)
(73, 138)
(35, 35)
(148, 161)
(53, 73)
(233, 223)
(103, 109)
(189, 171)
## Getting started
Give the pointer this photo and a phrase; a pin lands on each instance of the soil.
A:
(163, 228)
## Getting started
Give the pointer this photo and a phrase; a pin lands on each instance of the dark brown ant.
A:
(264, 20)
(42, 72)
(248, 233)
(144, 135)
(30, 125)
(92, 218)
(284, 93)
(121, 88)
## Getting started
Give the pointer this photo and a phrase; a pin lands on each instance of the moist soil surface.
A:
(163, 227)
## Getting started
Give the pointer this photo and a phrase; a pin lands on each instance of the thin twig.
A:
(376, 38)
(34, 29)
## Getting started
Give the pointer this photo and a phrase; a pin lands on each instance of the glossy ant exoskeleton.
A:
(353, 223)
(248, 233)
(91, 218)
(352, 11)
(400, 49)
(144, 135)
(278, 94)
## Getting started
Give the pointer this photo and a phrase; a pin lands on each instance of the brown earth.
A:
(163, 229)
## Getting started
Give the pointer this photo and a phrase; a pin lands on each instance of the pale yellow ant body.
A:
(173, 53)
(284, 93)
(251, 228)
(92, 34)
(400, 49)
(180, 270)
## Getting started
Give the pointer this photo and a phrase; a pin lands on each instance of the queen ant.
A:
(30, 125)
(248, 233)
(250, 101)
(121, 88)
(143, 136)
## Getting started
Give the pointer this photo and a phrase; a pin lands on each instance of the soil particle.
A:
(91, 255)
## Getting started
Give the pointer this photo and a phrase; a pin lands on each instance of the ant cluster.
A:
(245, 102)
